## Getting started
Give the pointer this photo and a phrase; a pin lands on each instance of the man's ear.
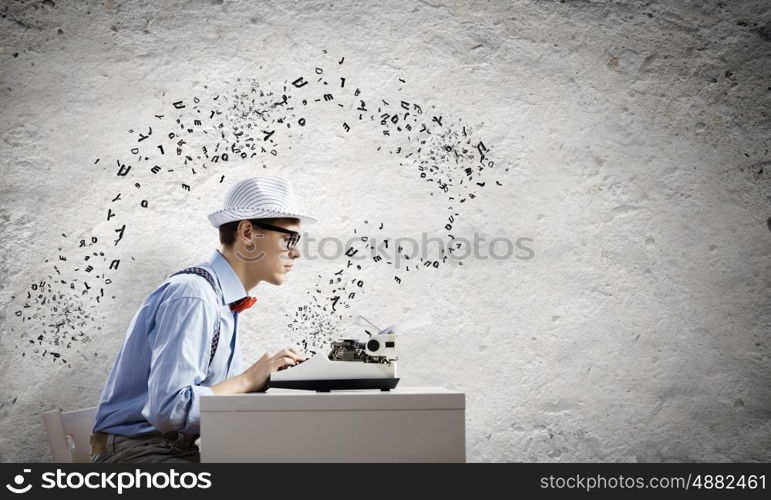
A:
(248, 231)
(245, 230)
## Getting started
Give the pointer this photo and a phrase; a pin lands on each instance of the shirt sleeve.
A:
(180, 344)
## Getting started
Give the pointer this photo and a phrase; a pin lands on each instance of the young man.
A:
(183, 342)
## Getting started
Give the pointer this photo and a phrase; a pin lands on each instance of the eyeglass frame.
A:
(270, 227)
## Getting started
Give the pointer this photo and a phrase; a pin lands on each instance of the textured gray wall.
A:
(628, 141)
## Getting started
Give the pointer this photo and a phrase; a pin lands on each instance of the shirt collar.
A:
(232, 288)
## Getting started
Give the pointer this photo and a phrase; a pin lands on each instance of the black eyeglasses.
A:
(294, 236)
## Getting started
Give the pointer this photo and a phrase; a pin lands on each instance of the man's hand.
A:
(257, 374)
(255, 377)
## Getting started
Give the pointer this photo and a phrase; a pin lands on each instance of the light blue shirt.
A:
(163, 369)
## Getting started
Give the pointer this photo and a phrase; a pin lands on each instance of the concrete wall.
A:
(625, 163)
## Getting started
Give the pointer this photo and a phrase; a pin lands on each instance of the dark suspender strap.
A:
(205, 274)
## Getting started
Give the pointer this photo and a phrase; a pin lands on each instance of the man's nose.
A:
(294, 253)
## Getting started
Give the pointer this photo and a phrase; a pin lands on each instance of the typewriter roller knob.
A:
(373, 345)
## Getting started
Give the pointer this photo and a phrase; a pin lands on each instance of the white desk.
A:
(408, 424)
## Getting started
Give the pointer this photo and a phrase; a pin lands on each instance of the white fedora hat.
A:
(263, 197)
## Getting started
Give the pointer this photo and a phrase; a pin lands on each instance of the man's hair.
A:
(228, 230)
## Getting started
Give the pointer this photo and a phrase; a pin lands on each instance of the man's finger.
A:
(289, 354)
(303, 357)
(284, 361)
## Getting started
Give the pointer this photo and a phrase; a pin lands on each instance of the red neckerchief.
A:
(243, 304)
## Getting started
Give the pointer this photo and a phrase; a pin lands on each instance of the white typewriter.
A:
(350, 363)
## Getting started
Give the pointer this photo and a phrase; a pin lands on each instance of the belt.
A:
(99, 443)
(99, 440)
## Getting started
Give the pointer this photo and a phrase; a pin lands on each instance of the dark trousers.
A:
(148, 448)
